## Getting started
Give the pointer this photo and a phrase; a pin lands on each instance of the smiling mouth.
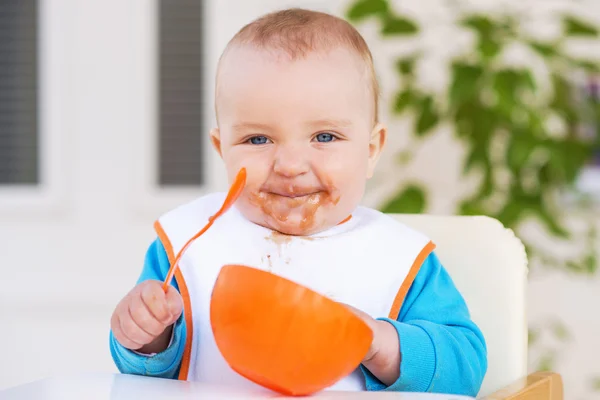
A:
(295, 195)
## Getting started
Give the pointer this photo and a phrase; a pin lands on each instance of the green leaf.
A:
(509, 85)
(477, 157)
(546, 50)
(511, 213)
(567, 157)
(509, 26)
(487, 186)
(590, 263)
(479, 23)
(532, 336)
(560, 331)
(366, 8)
(520, 147)
(589, 66)
(471, 207)
(406, 66)
(428, 117)
(474, 121)
(489, 35)
(489, 47)
(573, 26)
(529, 250)
(561, 99)
(596, 384)
(404, 100)
(546, 362)
(410, 200)
(465, 82)
(550, 220)
(527, 79)
(574, 267)
(395, 26)
(404, 157)
(479, 150)
(512, 79)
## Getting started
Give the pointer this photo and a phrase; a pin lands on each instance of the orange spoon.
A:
(234, 192)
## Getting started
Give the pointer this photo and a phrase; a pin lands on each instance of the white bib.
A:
(368, 262)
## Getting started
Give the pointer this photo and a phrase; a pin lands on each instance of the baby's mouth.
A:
(298, 203)
(295, 199)
(294, 195)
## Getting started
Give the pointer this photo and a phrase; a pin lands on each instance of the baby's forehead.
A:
(257, 79)
(241, 55)
(293, 35)
(241, 61)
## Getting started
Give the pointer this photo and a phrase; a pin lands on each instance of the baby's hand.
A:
(383, 357)
(143, 319)
(375, 326)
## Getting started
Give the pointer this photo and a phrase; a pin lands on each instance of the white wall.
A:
(70, 252)
(69, 257)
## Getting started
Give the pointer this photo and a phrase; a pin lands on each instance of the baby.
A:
(296, 105)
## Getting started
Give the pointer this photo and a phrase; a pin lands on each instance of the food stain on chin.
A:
(334, 193)
(279, 207)
(279, 238)
(271, 207)
(309, 212)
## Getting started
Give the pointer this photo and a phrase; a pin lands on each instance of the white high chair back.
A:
(488, 264)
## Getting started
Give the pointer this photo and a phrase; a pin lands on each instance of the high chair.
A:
(488, 264)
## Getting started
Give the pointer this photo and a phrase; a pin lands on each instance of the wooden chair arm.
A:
(537, 386)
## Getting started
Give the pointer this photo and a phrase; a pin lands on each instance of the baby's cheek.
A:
(350, 194)
(257, 163)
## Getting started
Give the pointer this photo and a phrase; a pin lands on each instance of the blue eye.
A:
(258, 140)
(325, 137)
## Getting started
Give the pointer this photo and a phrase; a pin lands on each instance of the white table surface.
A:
(128, 387)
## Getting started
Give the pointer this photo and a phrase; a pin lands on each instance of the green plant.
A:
(527, 131)
(596, 384)
(503, 115)
(547, 354)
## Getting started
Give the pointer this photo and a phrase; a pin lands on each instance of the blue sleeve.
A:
(442, 350)
(165, 364)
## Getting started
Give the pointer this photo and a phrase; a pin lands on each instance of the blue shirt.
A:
(442, 350)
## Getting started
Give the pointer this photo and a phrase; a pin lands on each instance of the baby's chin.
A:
(287, 228)
(297, 224)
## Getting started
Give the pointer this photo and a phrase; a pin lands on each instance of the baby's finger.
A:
(174, 303)
(144, 318)
(132, 330)
(154, 298)
(122, 337)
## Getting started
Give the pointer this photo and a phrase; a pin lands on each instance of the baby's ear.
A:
(376, 145)
(215, 139)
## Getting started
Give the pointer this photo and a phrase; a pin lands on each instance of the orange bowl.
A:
(282, 335)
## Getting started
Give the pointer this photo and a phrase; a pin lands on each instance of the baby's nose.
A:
(290, 162)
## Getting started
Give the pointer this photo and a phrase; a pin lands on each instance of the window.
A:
(19, 156)
(180, 94)
(172, 108)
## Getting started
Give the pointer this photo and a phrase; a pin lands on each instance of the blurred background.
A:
(493, 108)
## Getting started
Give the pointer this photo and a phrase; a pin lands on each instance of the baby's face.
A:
(304, 131)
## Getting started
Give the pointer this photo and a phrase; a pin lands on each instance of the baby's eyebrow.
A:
(330, 123)
(250, 126)
(316, 124)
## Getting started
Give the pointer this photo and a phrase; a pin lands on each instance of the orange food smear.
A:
(279, 208)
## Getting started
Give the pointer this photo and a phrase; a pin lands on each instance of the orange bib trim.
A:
(408, 281)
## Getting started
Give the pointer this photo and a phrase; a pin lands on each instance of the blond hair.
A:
(297, 32)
